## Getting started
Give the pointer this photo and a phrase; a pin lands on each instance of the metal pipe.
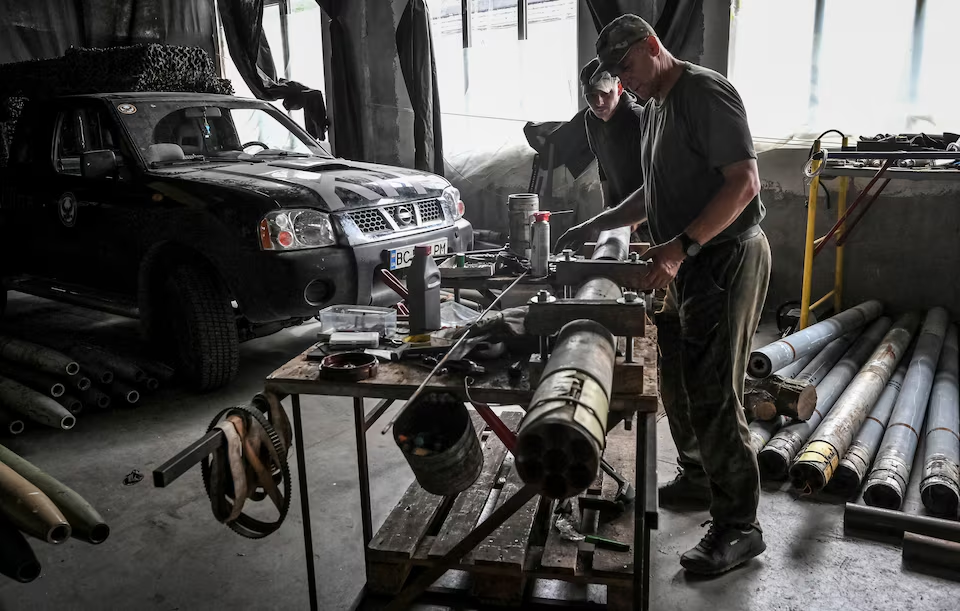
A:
(43, 383)
(795, 368)
(781, 353)
(890, 521)
(95, 397)
(887, 483)
(797, 397)
(123, 392)
(761, 431)
(855, 465)
(10, 424)
(85, 522)
(563, 434)
(820, 458)
(806, 288)
(776, 456)
(29, 509)
(940, 486)
(73, 404)
(37, 357)
(17, 561)
(35, 406)
(931, 551)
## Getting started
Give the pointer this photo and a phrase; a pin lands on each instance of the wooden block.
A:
(465, 511)
(628, 377)
(387, 577)
(410, 520)
(498, 590)
(619, 319)
(619, 598)
(621, 454)
(507, 546)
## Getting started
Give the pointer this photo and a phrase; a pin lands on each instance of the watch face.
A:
(693, 250)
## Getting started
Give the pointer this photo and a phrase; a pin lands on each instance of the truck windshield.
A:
(181, 131)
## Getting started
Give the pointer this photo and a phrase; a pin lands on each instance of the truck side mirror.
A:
(98, 164)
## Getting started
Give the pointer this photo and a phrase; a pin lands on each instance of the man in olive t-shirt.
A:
(700, 196)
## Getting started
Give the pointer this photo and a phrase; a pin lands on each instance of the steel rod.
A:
(887, 483)
(168, 472)
(305, 503)
(820, 458)
(862, 518)
(641, 534)
(364, 472)
(781, 353)
(416, 394)
(856, 202)
(378, 410)
(776, 456)
(845, 235)
(940, 486)
(931, 551)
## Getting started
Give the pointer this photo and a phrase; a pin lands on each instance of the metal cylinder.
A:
(10, 424)
(563, 434)
(100, 359)
(820, 458)
(18, 562)
(612, 245)
(94, 397)
(887, 483)
(29, 509)
(930, 551)
(71, 403)
(97, 371)
(85, 522)
(800, 398)
(124, 393)
(856, 463)
(37, 357)
(888, 521)
(781, 353)
(940, 486)
(794, 369)
(43, 383)
(33, 405)
(540, 248)
(775, 458)
(438, 441)
(520, 210)
(761, 431)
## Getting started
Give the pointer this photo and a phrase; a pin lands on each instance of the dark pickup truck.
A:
(214, 219)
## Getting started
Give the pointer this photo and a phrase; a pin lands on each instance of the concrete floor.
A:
(166, 552)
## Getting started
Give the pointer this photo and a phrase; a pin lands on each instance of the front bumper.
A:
(297, 284)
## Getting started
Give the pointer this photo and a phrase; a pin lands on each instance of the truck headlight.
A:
(296, 230)
(450, 198)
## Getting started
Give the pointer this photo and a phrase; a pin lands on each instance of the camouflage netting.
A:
(147, 67)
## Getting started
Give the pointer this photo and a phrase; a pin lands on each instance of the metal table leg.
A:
(641, 534)
(359, 420)
(304, 503)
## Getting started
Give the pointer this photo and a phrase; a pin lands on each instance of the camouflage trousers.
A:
(705, 331)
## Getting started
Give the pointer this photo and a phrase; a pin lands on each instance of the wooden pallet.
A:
(423, 527)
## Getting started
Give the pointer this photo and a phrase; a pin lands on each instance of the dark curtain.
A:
(415, 49)
(250, 51)
(570, 138)
(346, 92)
(42, 29)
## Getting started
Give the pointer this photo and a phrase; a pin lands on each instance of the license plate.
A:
(403, 257)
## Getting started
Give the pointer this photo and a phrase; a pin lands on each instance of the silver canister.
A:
(540, 245)
(520, 210)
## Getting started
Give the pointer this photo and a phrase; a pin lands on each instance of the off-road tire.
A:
(198, 328)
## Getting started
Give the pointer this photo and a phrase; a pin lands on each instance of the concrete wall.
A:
(905, 252)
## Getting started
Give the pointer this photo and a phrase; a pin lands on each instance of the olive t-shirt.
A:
(616, 145)
(686, 140)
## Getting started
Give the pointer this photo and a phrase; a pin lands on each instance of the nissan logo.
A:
(404, 215)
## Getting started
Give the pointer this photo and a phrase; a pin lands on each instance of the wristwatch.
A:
(690, 247)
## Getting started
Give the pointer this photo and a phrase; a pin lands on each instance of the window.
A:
(860, 66)
(81, 130)
(491, 82)
(294, 31)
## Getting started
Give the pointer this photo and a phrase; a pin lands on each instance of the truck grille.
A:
(396, 217)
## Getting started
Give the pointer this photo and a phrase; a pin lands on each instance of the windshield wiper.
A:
(282, 154)
(157, 164)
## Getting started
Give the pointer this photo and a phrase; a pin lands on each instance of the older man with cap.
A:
(613, 133)
(700, 196)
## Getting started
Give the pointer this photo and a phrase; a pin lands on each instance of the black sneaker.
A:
(724, 547)
(683, 493)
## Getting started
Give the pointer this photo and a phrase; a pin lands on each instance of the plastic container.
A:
(358, 318)
(423, 284)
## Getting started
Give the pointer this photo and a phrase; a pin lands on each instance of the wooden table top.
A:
(398, 380)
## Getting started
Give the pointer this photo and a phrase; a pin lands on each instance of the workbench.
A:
(396, 381)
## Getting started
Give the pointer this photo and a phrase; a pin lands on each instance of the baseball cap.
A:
(615, 40)
(589, 83)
